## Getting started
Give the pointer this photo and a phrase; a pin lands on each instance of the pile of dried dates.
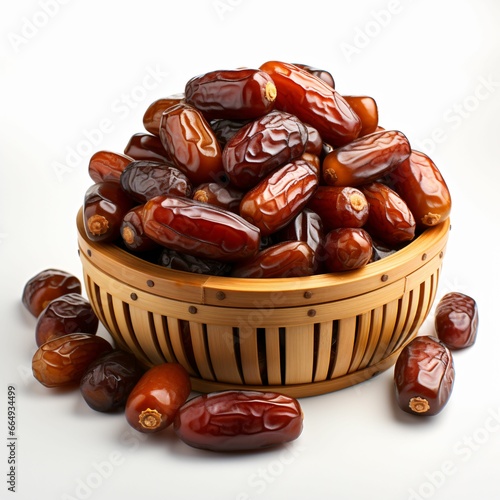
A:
(263, 173)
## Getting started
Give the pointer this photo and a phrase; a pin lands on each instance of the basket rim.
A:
(128, 268)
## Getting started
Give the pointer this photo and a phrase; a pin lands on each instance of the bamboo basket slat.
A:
(298, 336)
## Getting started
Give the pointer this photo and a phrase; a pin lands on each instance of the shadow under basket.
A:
(298, 336)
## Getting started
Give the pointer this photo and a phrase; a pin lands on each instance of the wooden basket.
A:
(299, 336)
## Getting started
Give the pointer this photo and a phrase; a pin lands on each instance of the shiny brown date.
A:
(67, 314)
(279, 197)
(421, 185)
(104, 206)
(146, 147)
(366, 108)
(221, 196)
(262, 146)
(389, 218)
(346, 249)
(154, 401)
(181, 261)
(365, 159)
(225, 129)
(239, 420)
(46, 286)
(199, 229)
(107, 166)
(314, 102)
(456, 320)
(424, 375)
(339, 206)
(289, 259)
(132, 231)
(191, 143)
(63, 360)
(152, 116)
(143, 180)
(108, 381)
(234, 94)
(322, 74)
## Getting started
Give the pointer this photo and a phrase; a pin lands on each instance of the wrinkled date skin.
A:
(154, 401)
(180, 261)
(232, 94)
(224, 129)
(132, 232)
(46, 286)
(421, 185)
(104, 206)
(146, 147)
(314, 102)
(107, 166)
(322, 74)
(67, 314)
(365, 159)
(367, 110)
(143, 180)
(262, 146)
(63, 360)
(108, 381)
(221, 196)
(389, 218)
(239, 420)
(456, 320)
(200, 229)
(279, 197)
(340, 206)
(191, 143)
(346, 249)
(288, 259)
(424, 375)
(152, 116)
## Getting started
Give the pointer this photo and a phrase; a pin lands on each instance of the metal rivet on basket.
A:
(424, 256)
(311, 312)
(89, 252)
(133, 296)
(308, 295)
(220, 295)
(192, 309)
(150, 283)
(441, 254)
(384, 277)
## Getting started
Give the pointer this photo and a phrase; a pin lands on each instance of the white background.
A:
(71, 68)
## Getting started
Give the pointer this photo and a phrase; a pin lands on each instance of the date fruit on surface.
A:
(46, 286)
(152, 116)
(421, 185)
(239, 420)
(104, 206)
(339, 206)
(366, 108)
(191, 143)
(108, 381)
(262, 146)
(146, 147)
(181, 261)
(456, 320)
(143, 180)
(346, 249)
(233, 94)
(365, 159)
(70, 313)
(132, 231)
(155, 399)
(314, 102)
(107, 166)
(424, 375)
(199, 229)
(389, 218)
(221, 196)
(289, 259)
(279, 197)
(63, 360)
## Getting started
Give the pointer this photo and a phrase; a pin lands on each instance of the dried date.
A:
(132, 232)
(221, 196)
(346, 249)
(181, 261)
(322, 74)
(152, 116)
(146, 147)
(424, 375)
(456, 320)
(63, 360)
(366, 108)
(239, 420)
(46, 286)
(107, 166)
